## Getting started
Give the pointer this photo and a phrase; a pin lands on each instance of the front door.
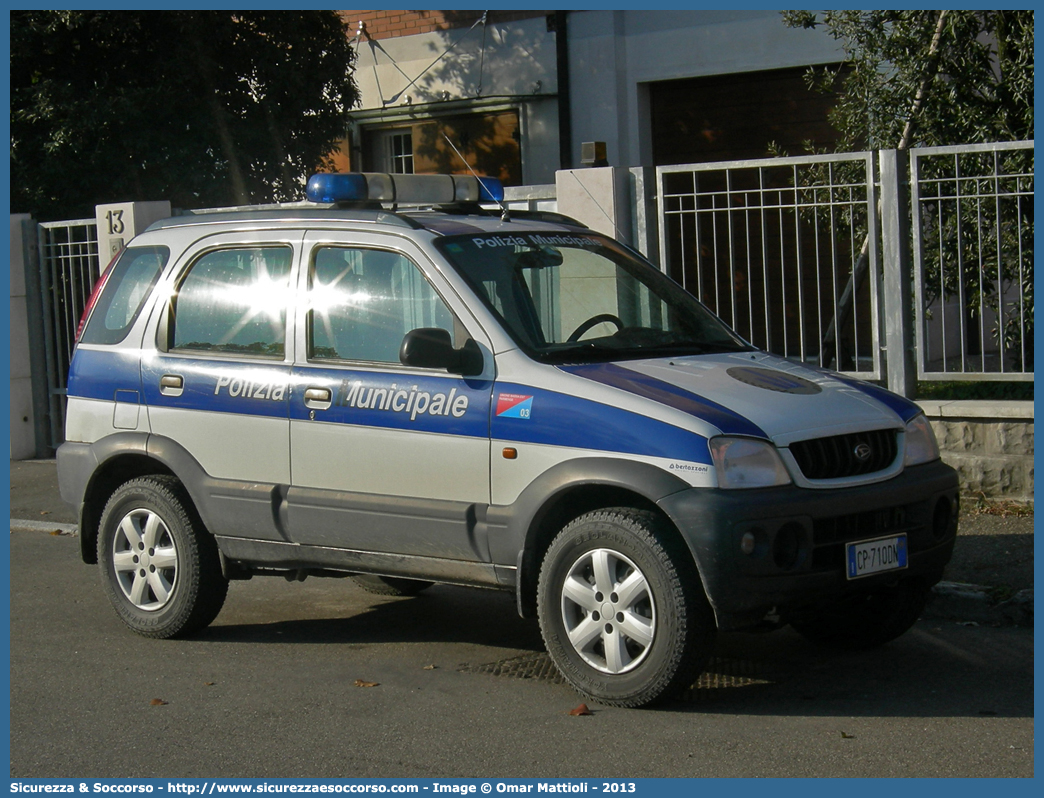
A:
(384, 458)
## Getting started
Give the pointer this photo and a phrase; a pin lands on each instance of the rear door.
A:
(218, 383)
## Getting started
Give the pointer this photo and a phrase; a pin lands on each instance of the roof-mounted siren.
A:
(355, 187)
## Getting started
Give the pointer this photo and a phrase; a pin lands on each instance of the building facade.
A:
(517, 93)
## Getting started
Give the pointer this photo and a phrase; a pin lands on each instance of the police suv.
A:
(452, 394)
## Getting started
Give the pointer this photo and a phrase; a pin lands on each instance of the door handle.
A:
(172, 385)
(318, 398)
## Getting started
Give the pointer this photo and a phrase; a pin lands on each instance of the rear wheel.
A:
(867, 620)
(390, 585)
(159, 565)
(621, 609)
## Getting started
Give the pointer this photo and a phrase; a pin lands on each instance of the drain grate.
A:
(528, 666)
(721, 673)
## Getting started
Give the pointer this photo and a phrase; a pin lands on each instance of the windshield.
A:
(578, 297)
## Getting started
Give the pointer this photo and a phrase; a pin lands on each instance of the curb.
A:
(22, 525)
(976, 604)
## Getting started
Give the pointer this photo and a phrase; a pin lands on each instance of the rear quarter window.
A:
(133, 277)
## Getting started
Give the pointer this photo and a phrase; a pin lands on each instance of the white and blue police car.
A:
(449, 394)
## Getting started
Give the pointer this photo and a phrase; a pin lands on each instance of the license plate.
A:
(867, 557)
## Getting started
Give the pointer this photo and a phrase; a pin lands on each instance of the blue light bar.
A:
(381, 187)
(330, 187)
(490, 190)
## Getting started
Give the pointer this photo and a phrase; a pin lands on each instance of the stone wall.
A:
(990, 443)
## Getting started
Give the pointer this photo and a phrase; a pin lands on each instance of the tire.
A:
(390, 585)
(623, 563)
(868, 620)
(159, 565)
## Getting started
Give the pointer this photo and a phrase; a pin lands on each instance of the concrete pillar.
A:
(599, 197)
(119, 222)
(645, 222)
(897, 280)
(22, 425)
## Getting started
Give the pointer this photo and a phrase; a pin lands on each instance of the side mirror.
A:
(432, 348)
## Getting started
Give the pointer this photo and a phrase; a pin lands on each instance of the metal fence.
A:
(779, 249)
(831, 260)
(972, 212)
(68, 253)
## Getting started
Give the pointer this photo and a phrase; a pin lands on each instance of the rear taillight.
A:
(98, 286)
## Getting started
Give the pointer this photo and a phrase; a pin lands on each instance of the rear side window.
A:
(234, 301)
(132, 279)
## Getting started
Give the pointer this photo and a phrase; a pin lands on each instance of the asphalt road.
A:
(463, 689)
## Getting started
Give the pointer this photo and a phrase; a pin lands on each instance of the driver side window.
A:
(363, 301)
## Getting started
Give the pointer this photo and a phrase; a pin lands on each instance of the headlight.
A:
(921, 446)
(747, 463)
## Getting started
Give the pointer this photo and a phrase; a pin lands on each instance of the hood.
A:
(754, 393)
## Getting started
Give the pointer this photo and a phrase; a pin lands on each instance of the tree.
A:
(203, 108)
(940, 78)
(958, 76)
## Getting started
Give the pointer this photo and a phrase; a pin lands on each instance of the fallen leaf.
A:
(363, 683)
(158, 702)
(847, 736)
(208, 684)
(581, 710)
(431, 667)
(45, 512)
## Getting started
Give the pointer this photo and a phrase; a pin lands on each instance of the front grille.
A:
(838, 456)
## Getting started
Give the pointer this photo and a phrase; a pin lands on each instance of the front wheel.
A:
(159, 565)
(866, 620)
(621, 609)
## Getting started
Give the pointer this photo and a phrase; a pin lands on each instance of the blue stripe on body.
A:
(728, 421)
(252, 388)
(242, 387)
(558, 419)
(902, 407)
(99, 374)
(352, 393)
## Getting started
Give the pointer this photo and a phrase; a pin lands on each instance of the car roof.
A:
(443, 221)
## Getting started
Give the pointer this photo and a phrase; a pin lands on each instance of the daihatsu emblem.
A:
(862, 452)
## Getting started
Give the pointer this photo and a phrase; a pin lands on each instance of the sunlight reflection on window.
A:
(235, 301)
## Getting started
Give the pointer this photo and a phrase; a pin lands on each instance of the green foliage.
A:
(203, 108)
(978, 82)
(917, 78)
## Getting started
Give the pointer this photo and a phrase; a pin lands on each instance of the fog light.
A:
(786, 546)
(748, 542)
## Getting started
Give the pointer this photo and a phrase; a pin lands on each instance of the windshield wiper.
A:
(690, 348)
(583, 351)
(578, 350)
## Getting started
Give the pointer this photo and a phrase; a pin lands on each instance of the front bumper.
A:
(799, 535)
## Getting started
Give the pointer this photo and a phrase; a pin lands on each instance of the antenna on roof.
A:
(505, 214)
